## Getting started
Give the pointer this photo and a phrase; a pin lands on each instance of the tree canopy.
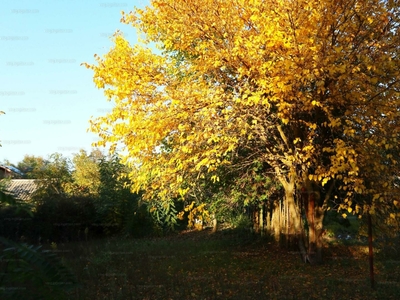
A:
(309, 89)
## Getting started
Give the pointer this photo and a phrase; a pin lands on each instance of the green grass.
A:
(226, 265)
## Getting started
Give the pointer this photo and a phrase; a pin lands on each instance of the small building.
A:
(10, 172)
(5, 172)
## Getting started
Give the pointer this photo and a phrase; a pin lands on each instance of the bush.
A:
(15, 224)
(30, 273)
(63, 219)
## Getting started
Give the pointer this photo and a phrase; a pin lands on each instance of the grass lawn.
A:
(225, 265)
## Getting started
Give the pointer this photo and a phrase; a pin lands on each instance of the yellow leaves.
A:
(376, 197)
(197, 214)
(338, 49)
(215, 178)
(230, 73)
(335, 122)
(370, 20)
(328, 149)
(358, 190)
(325, 181)
(181, 215)
(315, 103)
(313, 126)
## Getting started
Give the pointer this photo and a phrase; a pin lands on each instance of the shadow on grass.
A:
(226, 265)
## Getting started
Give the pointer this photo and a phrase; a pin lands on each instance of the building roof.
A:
(11, 170)
(15, 170)
(21, 189)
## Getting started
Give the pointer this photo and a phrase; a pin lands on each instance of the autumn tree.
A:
(299, 86)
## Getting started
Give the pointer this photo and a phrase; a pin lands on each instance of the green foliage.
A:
(63, 219)
(32, 166)
(91, 193)
(343, 230)
(15, 222)
(116, 205)
(27, 272)
(86, 174)
(14, 215)
(164, 214)
(54, 177)
(7, 200)
(241, 222)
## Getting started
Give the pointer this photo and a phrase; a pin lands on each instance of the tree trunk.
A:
(315, 211)
(215, 224)
(319, 230)
(261, 220)
(312, 242)
(290, 218)
(276, 223)
(256, 220)
(293, 217)
(371, 251)
(268, 219)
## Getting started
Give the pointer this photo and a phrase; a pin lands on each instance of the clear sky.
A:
(47, 96)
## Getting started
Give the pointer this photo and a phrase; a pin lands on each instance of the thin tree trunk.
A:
(371, 252)
(256, 220)
(215, 224)
(261, 219)
(312, 247)
(319, 230)
(275, 222)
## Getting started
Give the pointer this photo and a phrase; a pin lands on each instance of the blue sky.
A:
(47, 96)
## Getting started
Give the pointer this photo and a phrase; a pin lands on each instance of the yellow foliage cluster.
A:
(309, 87)
(197, 215)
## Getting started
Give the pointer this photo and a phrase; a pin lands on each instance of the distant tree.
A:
(32, 166)
(29, 267)
(54, 177)
(86, 174)
(6, 162)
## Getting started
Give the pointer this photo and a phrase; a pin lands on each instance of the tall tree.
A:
(301, 86)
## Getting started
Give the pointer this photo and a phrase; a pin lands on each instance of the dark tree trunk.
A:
(261, 220)
(315, 208)
(215, 224)
(371, 252)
